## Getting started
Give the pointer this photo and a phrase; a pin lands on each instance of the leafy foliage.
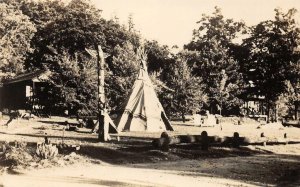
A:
(286, 100)
(122, 74)
(77, 85)
(213, 59)
(187, 95)
(16, 32)
(272, 55)
(212, 72)
(77, 28)
(64, 32)
(158, 56)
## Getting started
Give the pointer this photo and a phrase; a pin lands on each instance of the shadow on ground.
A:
(91, 139)
(245, 164)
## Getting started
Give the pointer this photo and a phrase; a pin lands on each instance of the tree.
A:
(295, 84)
(272, 55)
(16, 31)
(64, 38)
(158, 56)
(75, 87)
(79, 27)
(39, 12)
(122, 73)
(73, 28)
(213, 53)
(187, 94)
(286, 101)
(78, 84)
(225, 89)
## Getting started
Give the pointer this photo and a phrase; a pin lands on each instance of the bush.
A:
(16, 155)
(46, 151)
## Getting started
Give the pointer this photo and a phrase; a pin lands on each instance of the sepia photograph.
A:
(149, 93)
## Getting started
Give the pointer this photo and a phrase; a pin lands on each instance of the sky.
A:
(171, 22)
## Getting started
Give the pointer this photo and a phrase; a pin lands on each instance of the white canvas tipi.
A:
(143, 111)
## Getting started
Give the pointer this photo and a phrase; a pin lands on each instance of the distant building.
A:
(255, 105)
(25, 92)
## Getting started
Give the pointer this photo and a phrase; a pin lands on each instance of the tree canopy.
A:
(215, 71)
(187, 95)
(213, 58)
(123, 71)
(272, 55)
(16, 32)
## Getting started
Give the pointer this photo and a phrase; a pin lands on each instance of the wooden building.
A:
(25, 92)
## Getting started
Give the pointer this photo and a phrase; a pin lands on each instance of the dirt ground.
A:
(133, 161)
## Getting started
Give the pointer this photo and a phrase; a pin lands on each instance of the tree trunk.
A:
(268, 112)
(276, 113)
(296, 109)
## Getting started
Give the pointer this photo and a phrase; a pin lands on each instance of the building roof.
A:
(36, 76)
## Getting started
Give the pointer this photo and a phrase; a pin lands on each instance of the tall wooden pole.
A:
(101, 95)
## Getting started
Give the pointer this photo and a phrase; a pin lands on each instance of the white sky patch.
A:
(172, 22)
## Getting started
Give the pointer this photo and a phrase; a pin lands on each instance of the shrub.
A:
(46, 151)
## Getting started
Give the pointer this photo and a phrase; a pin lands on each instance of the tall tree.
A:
(39, 12)
(272, 55)
(214, 49)
(16, 31)
(75, 27)
(75, 87)
(186, 94)
(286, 101)
(79, 27)
(122, 72)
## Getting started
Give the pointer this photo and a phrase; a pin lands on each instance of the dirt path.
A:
(249, 170)
(111, 175)
(133, 162)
